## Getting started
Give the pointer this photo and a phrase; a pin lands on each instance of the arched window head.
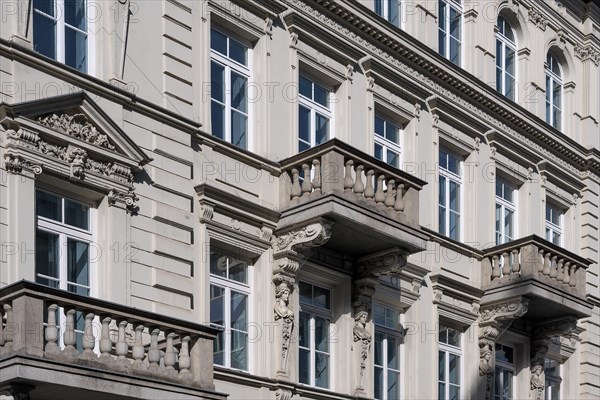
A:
(506, 68)
(554, 88)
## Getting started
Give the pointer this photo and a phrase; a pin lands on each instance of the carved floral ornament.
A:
(76, 125)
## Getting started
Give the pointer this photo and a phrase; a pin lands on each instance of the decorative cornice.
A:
(76, 125)
(587, 53)
(537, 18)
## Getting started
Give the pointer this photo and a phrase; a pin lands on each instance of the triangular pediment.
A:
(79, 120)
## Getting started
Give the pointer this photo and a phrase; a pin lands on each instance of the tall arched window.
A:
(554, 84)
(506, 48)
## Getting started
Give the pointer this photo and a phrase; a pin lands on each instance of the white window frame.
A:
(229, 285)
(552, 227)
(64, 232)
(327, 315)
(450, 349)
(387, 144)
(504, 206)
(505, 366)
(385, 6)
(59, 18)
(506, 43)
(551, 78)
(451, 176)
(552, 378)
(314, 108)
(388, 331)
(457, 6)
(230, 66)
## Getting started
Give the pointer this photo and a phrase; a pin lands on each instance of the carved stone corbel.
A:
(15, 164)
(387, 262)
(283, 394)
(128, 198)
(288, 252)
(494, 319)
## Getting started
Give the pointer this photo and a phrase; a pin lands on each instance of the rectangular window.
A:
(554, 218)
(449, 363)
(390, 10)
(449, 194)
(314, 114)
(60, 31)
(387, 141)
(506, 209)
(553, 379)
(387, 353)
(229, 77)
(229, 294)
(505, 372)
(314, 330)
(450, 26)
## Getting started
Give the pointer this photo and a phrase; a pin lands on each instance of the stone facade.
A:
(332, 235)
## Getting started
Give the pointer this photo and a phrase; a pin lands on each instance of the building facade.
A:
(316, 199)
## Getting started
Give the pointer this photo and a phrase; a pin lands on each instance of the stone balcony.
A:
(550, 278)
(373, 207)
(120, 352)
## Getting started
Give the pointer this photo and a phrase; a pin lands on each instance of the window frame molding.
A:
(512, 45)
(506, 367)
(449, 349)
(448, 175)
(385, 4)
(398, 335)
(554, 78)
(506, 205)
(314, 108)
(385, 143)
(457, 6)
(554, 228)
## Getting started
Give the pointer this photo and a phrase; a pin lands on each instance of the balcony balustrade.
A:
(117, 343)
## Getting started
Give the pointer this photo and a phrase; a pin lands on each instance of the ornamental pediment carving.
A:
(70, 136)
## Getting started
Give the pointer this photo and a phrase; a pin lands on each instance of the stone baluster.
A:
(306, 183)
(573, 281)
(9, 328)
(379, 194)
(389, 194)
(317, 179)
(348, 181)
(296, 189)
(70, 336)
(121, 347)
(560, 270)
(399, 205)
(495, 267)
(153, 351)
(105, 342)
(89, 341)
(51, 332)
(516, 263)
(169, 357)
(137, 352)
(546, 270)
(369, 190)
(553, 267)
(541, 261)
(359, 186)
(567, 274)
(184, 359)
(505, 264)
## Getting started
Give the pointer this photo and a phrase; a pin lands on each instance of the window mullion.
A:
(312, 357)
(227, 333)
(60, 30)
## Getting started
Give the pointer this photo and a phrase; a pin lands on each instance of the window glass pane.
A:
(77, 214)
(453, 368)
(442, 14)
(442, 42)
(379, 7)
(499, 55)
(239, 96)
(238, 311)
(304, 330)
(44, 35)
(393, 158)
(217, 113)
(379, 315)
(392, 133)
(508, 224)
(510, 87)
(322, 129)
(45, 6)
(76, 49)
(237, 51)
(392, 389)
(454, 195)
(442, 219)
(304, 366)
(306, 87)
(378, 382)
(504, 353)
(379, 126)
(219, 349)
(454, 226)
(305, 293)
(378, 348)
(48, 205)
(556, 91)
(442, 190)
(454, 392)
(321, 95)
(218, 264)
(454, 23)
(378, 151)
(239, 350)
(218, 42)
(453, 337)
(391, 318)
(455, 51)
(322, 370)
(393, 13)
(217, 305)
(47, 257)
(441, 391)
(443, 334)
(78, 264)
(304, 124)
(321, 297)
(238, 270)
(217, 82)
(75, 14)
(442, 366)
(453, 164)
(321, 334)
(392, 353)
(239, 129)
(510, 61)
